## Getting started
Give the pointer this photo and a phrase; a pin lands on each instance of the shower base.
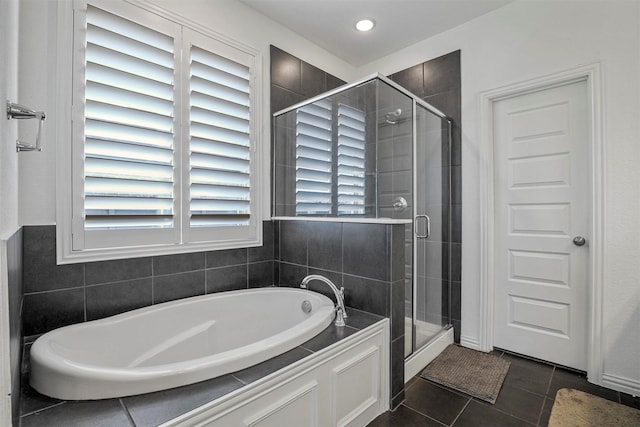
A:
(416, 362)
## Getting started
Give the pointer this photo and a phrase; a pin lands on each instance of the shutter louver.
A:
(219, 108)
(314, 159)
(129, 130)
(351, 161)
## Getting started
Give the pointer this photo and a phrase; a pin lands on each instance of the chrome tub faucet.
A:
(341, 311)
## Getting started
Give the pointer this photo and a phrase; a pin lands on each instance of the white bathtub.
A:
(175, 343)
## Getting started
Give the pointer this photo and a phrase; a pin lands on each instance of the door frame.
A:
(592, 74)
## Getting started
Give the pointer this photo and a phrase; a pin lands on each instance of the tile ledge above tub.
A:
(339, 219)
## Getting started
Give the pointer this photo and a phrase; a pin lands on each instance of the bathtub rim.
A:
(120, 317)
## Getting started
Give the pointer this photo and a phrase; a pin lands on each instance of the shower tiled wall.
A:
(293, 80)
(438, 82)
(14, 271)
(394, 151)
(59, 295)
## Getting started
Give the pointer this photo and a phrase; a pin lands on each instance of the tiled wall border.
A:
(60, 295)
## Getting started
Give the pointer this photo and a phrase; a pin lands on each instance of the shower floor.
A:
(424, 332)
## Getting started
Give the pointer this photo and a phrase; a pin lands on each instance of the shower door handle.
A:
(428, 226)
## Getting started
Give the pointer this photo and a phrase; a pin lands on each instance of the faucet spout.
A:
(341, 311)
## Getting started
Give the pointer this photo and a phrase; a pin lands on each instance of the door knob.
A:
(579, 240)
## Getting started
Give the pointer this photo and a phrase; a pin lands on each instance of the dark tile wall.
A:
(438, 82)
(14, 270)
(285, 137)
(59, 295)
(293, 80)
(394, 146)
(367, 259)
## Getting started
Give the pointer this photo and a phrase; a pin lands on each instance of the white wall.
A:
(39, 81)
(529, 39)
(8, 185)
(8, 128)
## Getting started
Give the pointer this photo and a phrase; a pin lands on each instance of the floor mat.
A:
(472, 372)
(574, 408)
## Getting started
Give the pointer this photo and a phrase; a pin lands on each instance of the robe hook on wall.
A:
(17, 111)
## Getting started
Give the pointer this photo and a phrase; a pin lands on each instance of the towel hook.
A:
(17, 111)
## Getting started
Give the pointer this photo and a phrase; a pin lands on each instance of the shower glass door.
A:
(430, 227)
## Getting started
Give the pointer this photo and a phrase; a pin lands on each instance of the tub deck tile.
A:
(81, 413)
(272, 365)
(32, 401)
(355, 321)
(329, 336)
(155, 408)
(361, 319)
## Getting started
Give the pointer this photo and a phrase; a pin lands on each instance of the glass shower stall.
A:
(372, 151)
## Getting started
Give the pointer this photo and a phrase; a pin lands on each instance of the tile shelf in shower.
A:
(339, 219)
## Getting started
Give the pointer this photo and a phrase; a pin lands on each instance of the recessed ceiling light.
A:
(365, 24)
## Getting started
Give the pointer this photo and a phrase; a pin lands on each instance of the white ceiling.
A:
(399, 23)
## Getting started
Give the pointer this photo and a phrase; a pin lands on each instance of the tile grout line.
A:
(244, 383)
(423, 415)
(84, 290)
(46, 408)
(553, 372)
(471, 398)
(460, 413)
(153, 282)
(126, 412)
(427, 416)
(544, 403)
(513, 415)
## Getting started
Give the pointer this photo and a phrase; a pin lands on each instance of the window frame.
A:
(72, 238)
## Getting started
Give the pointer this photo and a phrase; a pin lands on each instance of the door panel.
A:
(539, 268)
(431, 221)
(550, 219)
(544, 317)
(539, 171)
(541, 185)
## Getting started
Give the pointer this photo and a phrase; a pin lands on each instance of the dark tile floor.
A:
(526, 399)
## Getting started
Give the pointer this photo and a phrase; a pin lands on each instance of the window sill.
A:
(339, 219)
(93, 255)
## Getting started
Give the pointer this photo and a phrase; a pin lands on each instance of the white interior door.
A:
(542, 191)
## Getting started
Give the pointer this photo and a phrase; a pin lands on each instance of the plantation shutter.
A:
(219, 109)
(351, 161)
(314, 159)
(129, 125)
